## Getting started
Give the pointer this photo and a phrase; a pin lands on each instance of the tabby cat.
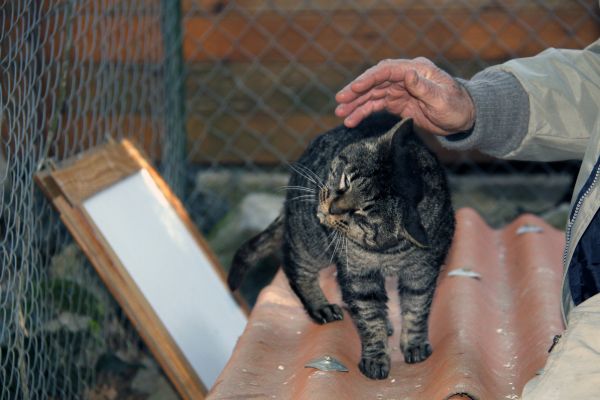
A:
(373, 200)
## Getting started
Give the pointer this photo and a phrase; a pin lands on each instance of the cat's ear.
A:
(413, 230)
(395, 133)
(402, 131)
(407, 181)
(399, 137)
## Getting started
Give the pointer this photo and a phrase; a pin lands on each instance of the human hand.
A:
(415, 89)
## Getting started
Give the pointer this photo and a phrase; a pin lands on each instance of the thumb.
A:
(420, 87)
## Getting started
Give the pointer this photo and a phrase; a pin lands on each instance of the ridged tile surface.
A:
(490, 333)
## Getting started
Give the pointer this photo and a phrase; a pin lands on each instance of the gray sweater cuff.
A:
(501, 114)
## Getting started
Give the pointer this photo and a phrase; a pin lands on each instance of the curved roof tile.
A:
(495, 313)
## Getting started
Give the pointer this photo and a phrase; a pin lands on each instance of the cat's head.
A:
(370, 195)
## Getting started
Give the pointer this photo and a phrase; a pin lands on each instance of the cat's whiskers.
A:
(305, 197)
(299, 188)
(304, 173)
(346, 251)
(332, 237)
(333, 241)
(338, 241)
(316, 178)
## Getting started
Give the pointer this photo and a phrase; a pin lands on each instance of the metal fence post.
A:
(174, 138)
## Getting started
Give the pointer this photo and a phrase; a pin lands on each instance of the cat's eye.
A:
(367, 207)
(344, 182)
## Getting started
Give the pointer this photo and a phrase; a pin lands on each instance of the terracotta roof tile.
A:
(490, 333)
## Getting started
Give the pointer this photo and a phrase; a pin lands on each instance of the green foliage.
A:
(70, 296)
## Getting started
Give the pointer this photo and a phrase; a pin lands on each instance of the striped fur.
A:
(374, 201)
(254, 250)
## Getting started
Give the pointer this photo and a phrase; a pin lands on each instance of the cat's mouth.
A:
(327, 218)
(332, 221)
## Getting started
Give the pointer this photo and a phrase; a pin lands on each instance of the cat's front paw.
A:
(375, 367)
(416, 353)
(326, 313)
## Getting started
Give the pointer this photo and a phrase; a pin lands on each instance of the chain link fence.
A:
(72, 74)
(220, 95)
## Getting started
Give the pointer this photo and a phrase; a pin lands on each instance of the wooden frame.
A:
(77, 180)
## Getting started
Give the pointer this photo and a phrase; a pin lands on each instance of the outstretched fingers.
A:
(364, 111)
(384, 71)
(387, 71)
(390, 96)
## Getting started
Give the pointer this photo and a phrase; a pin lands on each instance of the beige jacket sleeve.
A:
(540, 108)
(563, 87)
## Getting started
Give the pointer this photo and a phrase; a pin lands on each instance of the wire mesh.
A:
(261, 76)
(73, 73)
(211, 90)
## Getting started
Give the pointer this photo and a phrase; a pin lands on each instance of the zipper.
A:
(576, 213)
(570, 227)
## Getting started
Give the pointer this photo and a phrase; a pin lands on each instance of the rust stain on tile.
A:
(490, 328)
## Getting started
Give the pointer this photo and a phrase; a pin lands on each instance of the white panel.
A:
(171, 271)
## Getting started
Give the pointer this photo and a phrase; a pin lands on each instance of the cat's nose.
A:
(335, 210)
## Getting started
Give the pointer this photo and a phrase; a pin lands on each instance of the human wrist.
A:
(468, 111)
(501, 114)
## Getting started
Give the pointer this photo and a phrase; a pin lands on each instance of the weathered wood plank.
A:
(94, 171)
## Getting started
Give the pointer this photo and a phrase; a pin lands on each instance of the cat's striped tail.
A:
(254, 250)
